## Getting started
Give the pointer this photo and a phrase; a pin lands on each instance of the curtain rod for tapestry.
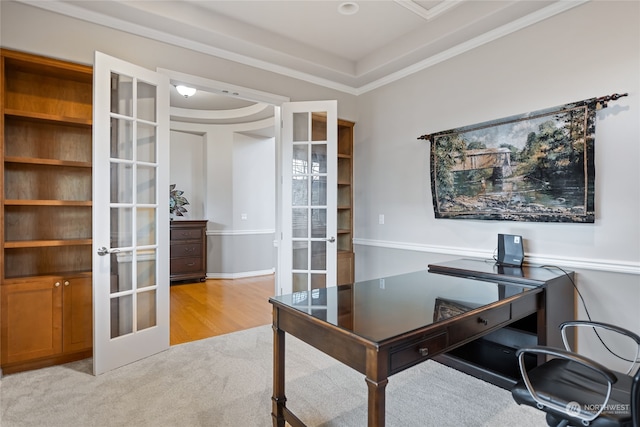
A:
(601, 103)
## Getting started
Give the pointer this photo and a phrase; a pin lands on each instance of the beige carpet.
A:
(226, 381)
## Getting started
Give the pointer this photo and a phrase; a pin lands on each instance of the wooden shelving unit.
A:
(345, 256)
(345, 203)
(46, 142)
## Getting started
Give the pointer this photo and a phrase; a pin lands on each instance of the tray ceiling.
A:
(310, 40)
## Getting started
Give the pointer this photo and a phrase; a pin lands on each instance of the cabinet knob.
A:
(66, 283)
(57, 284)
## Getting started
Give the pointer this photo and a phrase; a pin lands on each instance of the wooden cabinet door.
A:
(31, 319)
(77, 326)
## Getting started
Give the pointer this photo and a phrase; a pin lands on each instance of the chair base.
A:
(552, 421)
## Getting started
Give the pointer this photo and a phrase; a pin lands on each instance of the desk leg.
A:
(377, 379)
(278, 399)
(376, 408)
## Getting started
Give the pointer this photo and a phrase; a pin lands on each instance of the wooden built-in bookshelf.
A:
(46, 141)
(345, 202)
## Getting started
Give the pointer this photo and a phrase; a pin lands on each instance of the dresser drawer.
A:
(479, 323)
(417, 351)
(186, 250)
(186, 265)
(186, 234)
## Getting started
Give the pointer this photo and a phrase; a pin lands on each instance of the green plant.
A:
(177, 201)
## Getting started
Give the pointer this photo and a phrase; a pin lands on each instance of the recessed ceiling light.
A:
(348, 8)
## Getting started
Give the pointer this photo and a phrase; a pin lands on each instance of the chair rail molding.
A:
(240, 232)
(614, 266)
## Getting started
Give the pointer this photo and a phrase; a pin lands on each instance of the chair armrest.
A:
(607, 374)
(575, 357)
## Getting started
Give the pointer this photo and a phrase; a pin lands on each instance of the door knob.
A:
(103, 251)
(331, 239)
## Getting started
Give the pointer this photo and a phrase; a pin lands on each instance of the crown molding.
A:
(358, 88)
(234, 114)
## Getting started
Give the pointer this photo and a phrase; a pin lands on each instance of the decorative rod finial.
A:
(603, 101)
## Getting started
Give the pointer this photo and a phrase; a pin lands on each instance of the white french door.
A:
(309, 196)
(130, 213)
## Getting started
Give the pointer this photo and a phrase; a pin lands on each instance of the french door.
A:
(130, 213)
(309, 196)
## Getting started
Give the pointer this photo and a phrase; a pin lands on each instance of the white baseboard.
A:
(240, 275)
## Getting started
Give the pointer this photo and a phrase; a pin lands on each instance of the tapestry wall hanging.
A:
(537, 166)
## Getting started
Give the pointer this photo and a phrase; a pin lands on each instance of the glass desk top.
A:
(380, 309)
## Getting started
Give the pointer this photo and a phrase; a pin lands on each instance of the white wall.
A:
(560, 60)
(569, 57)
(238, 184)
(254, 183)
(187, 171)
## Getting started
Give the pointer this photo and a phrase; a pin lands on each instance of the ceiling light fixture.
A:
(348, 8)
(185, 91)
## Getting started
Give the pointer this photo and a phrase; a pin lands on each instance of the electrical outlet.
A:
(381, 219)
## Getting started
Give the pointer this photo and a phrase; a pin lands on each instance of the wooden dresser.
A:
(188, 253)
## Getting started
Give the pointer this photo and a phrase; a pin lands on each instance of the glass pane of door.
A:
(309, 190)
(133, 233)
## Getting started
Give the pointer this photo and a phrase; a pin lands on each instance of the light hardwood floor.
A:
(219, 306)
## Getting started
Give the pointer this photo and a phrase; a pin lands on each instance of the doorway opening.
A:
(224, 158)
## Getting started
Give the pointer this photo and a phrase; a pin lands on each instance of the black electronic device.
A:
(510, 250)
(510, 270)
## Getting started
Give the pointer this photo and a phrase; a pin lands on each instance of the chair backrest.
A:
(623, 337)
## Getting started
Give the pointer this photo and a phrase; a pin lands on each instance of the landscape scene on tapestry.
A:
(532, 167)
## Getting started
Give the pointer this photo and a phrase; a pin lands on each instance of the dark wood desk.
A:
(384, 326)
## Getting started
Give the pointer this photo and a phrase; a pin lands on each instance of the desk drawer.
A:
(462, 330)
(417, 351)
(186, 265)
(186, 249)
(186, 234)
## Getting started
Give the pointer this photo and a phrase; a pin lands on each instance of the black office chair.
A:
(578, 391)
